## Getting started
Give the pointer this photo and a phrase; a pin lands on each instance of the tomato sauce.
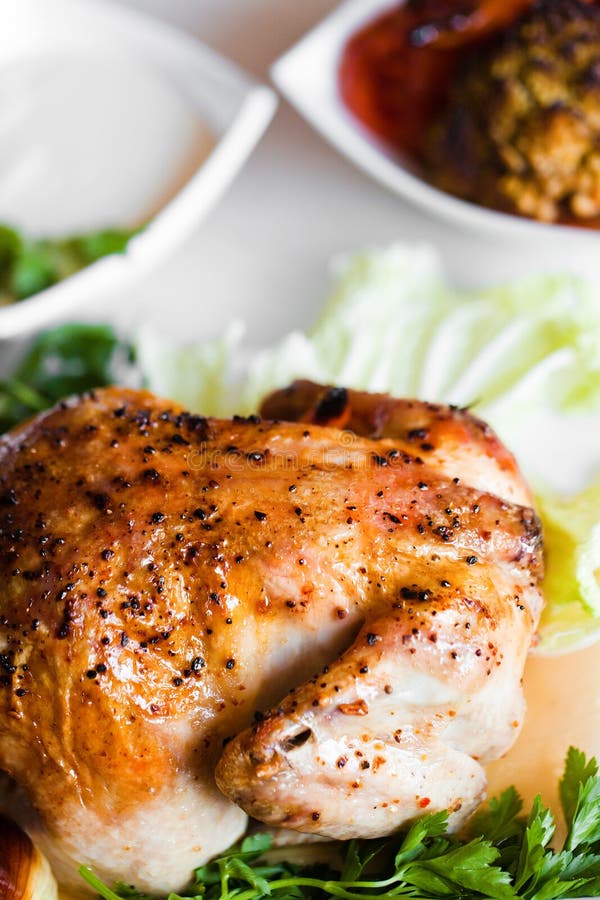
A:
(395, 73)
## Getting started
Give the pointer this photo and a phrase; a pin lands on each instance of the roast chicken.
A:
(318, 618)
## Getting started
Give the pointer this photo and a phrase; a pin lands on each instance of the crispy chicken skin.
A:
(165, 577)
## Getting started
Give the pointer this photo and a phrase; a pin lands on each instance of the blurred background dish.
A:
(112, 120)
(306, 204)
(309, 76)
(518, 128)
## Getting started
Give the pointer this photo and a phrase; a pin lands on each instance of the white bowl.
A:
(307, 75)
(109, 117)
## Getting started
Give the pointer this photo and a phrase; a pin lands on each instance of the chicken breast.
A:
(170, 585)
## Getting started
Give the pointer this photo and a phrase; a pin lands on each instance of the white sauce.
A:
(92, 141)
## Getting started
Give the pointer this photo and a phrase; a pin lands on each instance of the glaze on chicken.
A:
(170, 585)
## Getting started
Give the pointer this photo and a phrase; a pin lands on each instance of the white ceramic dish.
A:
(307, 75)
(110, 117)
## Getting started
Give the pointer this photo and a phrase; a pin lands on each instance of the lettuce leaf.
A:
(571, 583)
(393, 324)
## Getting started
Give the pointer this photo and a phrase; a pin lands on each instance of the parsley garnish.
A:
(69, 359)
(504, 856)
(28, 265)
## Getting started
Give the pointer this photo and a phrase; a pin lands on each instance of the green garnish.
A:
(504, 856)
(67, 360)
(28, 266)
(572, 563)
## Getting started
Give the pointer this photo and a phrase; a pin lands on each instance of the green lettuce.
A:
(393, 324)
(572, 556)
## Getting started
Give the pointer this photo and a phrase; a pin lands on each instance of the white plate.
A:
(107, 118)
(308, 76)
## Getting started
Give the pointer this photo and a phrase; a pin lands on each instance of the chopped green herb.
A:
(28, 266)
(504, 856)
(67, 360)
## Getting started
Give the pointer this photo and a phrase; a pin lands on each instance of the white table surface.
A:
(265, 247)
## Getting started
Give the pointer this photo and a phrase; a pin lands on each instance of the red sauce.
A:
(393, 83)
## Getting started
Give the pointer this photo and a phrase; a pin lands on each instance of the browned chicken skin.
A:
(166, 577)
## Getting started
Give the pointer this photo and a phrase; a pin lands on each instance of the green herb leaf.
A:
(577, 772)
(103, 891)
(256, 843)
(584, 830)
(500, 820)
(11, 245)
(67, 360)
(29, 266)
(469, 866)
(33, 270)
(237, 869)
(511, 858)
(537, 835)
(429, 826)
(91, 247)
(359, 855)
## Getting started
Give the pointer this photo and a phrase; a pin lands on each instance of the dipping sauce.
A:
(391, 85)
(395, 76)
(495, 102)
